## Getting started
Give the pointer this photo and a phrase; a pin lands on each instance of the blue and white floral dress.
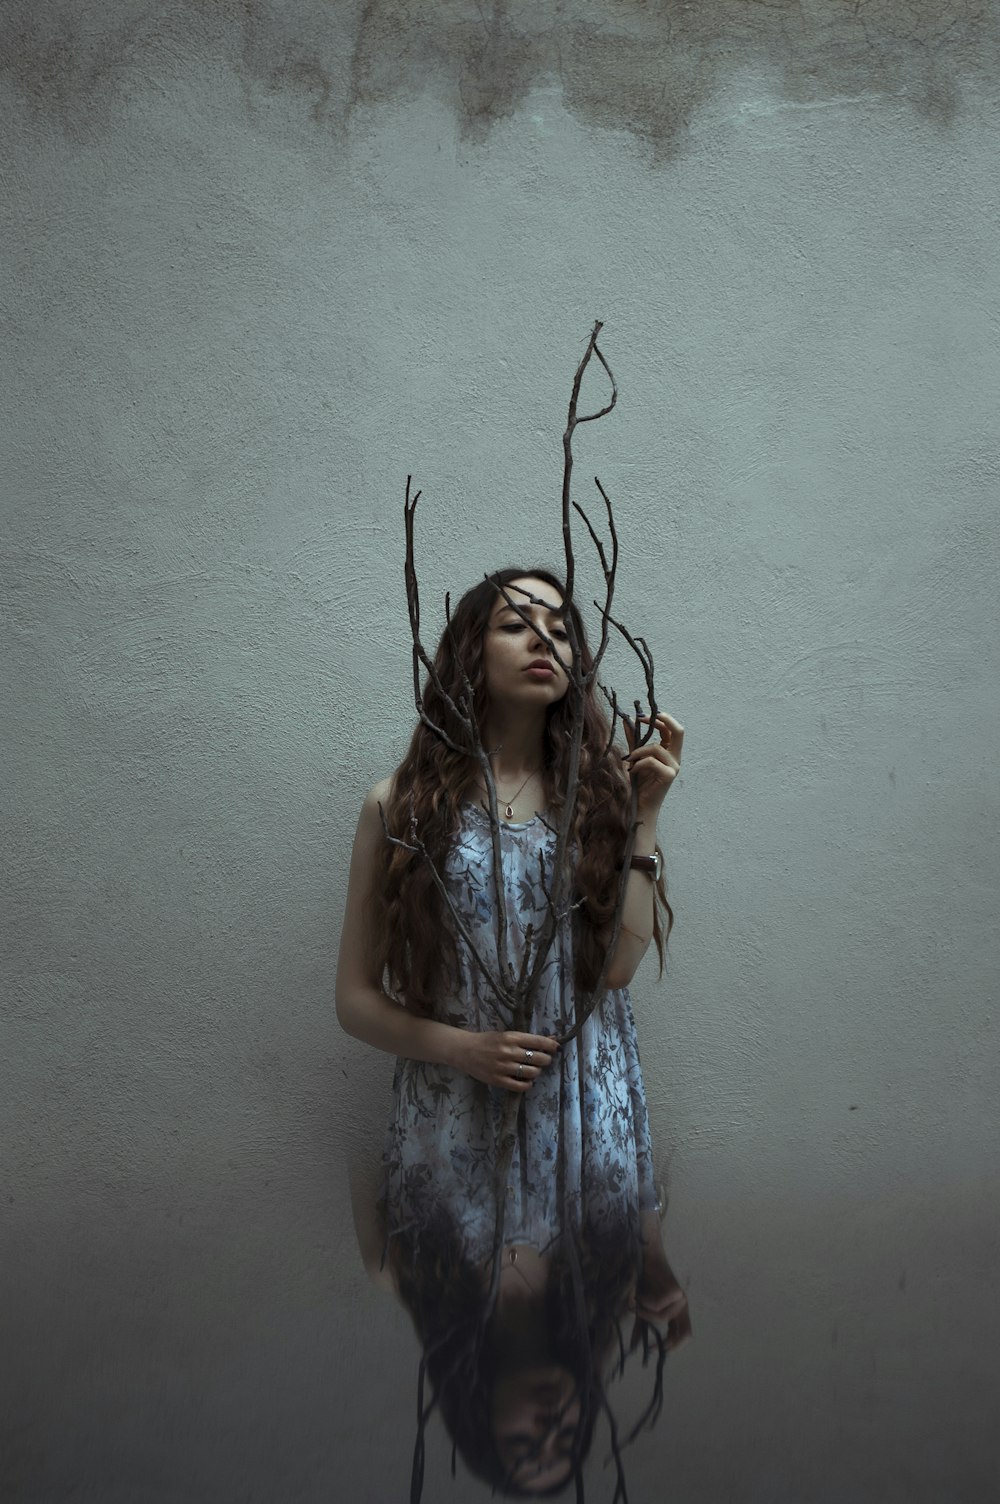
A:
(583, 1147)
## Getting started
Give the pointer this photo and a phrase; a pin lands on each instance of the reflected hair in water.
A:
(415, 942)
(456, 1323)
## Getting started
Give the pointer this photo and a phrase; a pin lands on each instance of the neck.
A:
(516, 742)
(519, 1333)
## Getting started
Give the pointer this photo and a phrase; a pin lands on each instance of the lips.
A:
(540, 663)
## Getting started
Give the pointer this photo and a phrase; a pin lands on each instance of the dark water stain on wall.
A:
(641, 66)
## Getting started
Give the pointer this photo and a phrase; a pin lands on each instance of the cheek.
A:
(498, 653)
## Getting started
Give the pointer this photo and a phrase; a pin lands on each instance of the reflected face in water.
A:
(536, 1415)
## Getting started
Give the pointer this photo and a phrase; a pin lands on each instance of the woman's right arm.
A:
(367, 1012)
(363, 1009)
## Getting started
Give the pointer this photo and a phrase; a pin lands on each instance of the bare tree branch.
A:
(640, 647)
(571, 422)
(610, 577)
(420, 655)
(612, 700)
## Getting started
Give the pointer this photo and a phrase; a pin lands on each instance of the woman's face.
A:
(519, 665)
(536, 1414)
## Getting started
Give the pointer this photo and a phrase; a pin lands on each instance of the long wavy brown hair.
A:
(410, 920)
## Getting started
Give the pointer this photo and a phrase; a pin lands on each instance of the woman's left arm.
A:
(653, 768)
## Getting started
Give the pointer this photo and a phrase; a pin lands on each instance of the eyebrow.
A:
(552, 611)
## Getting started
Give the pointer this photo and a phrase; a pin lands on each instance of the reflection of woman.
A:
(520, 1383)
(580, 1175)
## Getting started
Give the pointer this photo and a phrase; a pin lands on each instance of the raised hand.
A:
(655, 765)
(660, 1300)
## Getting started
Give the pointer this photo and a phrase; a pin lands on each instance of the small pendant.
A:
(508, 812)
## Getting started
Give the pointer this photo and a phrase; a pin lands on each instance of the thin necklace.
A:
(508, 809)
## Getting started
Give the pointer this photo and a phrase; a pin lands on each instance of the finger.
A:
(655, 1315)
(520, 1078)
(653, 753)
(522, 1072)
(656, 764)
(673, 1305)
(538, 1044)
(679, 1331)
(660, 748)
(663, 719)
(525, 1070)
(671, 731)
(664, 1306)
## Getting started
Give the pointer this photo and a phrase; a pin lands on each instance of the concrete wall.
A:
(263, 261)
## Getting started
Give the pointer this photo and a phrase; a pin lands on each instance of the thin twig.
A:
(572, 420)
(420, 654)
(610, 577)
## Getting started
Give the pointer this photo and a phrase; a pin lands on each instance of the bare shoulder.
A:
(379, 795)
(370, 827)
(381, 792)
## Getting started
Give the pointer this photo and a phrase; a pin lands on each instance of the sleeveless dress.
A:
(582, 1154)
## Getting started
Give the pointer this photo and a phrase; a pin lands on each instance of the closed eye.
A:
(518, 626)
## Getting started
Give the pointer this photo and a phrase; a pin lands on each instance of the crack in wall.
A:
(641, 66)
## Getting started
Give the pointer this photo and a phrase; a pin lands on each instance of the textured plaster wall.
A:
(259, 263)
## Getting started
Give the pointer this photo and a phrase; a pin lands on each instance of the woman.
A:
(579, 1174)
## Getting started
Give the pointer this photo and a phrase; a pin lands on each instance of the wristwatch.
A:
(651, 864)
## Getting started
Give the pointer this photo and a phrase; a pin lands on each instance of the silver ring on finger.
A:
(519, 1073)
(527, 1055)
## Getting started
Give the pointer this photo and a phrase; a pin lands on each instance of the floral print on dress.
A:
(583, 1147)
